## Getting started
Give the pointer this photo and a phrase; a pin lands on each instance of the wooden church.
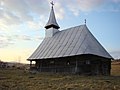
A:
(73, 50)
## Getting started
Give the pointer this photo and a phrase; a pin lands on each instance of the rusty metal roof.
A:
(70, 42)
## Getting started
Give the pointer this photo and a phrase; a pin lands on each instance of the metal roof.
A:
(70, 42)
(52, 20)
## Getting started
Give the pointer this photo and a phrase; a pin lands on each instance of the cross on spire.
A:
(52, 3)
(52, 20)
(85, 21)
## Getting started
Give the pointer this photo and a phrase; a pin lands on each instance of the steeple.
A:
(52, 20)
(51, 26)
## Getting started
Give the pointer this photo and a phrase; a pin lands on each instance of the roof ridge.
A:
(72, 27)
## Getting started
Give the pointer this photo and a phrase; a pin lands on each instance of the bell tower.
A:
(51, 26)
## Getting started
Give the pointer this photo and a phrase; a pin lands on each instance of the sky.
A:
(22, 24)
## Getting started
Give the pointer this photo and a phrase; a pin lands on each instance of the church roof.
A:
(52, 20)
(70, 42)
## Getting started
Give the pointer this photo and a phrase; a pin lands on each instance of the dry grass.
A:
(21, 80)
(115, 71)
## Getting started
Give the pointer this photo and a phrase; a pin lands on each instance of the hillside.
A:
(15, 79)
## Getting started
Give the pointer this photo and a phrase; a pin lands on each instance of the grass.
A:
(12, 79)
(115, 71)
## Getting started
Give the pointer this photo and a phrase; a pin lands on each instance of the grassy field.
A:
(11, 79)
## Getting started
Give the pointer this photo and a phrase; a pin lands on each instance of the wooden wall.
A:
(84, 64)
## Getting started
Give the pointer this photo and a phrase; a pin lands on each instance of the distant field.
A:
(11, 79)
(115, 71)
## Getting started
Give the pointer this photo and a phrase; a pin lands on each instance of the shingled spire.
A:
(52, 20)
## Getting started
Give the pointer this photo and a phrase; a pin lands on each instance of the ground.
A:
(15, 79)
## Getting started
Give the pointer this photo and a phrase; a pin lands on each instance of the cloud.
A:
(22, 37)
(10, 12)
(38, 6)
(32, 13)
(5, 41)
(78, 6)
(38, 38)
(16, 12)
(27, 38)
(83, 5)
(29, 12)
(37, 23)
(33, 25)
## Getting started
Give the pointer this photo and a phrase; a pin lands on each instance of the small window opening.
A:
(68, 62)
(51, 62)
(87, 62)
